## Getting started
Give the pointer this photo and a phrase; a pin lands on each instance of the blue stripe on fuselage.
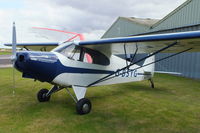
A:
(66, 69)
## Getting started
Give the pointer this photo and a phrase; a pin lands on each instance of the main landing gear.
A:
(83, 105)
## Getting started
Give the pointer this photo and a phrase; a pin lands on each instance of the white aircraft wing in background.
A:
(48, 46)
(36, 46)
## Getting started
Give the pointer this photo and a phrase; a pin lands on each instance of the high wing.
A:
(37, 46)
(147, 43)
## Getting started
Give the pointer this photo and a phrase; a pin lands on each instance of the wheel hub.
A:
(85, 107)
(44, 95)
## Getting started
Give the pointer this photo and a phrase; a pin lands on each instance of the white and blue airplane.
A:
(82, 64)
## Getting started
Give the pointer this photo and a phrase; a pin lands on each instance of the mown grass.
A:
(5, 53)
(172, 107)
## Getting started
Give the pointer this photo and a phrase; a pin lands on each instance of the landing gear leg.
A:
(152, 83)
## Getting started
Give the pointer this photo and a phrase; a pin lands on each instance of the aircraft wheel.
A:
(41, 95)
(83, 106)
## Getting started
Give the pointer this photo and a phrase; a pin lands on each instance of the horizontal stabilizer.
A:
(174, 73)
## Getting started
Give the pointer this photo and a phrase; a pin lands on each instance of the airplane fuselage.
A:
(56, 68)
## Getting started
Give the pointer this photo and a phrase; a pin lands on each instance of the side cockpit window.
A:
(83, 54)
(96, 57)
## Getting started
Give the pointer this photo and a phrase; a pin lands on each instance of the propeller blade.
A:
(14, 42)
(13, 76)
(13, 58)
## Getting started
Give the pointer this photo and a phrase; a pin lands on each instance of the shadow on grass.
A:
(127, 88)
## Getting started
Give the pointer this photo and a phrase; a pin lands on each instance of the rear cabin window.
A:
(78, 53)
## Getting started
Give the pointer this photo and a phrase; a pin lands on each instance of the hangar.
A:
(184, 18)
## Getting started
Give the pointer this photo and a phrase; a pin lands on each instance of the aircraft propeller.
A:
(13, 57)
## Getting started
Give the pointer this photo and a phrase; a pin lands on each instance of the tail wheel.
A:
(41, 95)
(83, 106)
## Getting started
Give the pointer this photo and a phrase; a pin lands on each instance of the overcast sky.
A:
(90, 17)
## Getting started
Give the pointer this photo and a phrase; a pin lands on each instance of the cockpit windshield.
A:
(71, 52)
(75, 52)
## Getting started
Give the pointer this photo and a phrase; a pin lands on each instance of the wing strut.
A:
(152, 54)
(143, 65)
(133, 57)
(125, 54)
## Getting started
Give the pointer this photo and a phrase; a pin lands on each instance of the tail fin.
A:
(149, 68)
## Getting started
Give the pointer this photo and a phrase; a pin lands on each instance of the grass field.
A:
(5, 53)
(172, 107)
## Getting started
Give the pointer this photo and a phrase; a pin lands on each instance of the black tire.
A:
(41, 95)
(83, 106)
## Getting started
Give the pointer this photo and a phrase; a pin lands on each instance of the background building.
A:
(184, 18)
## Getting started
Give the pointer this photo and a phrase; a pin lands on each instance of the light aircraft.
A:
(66, 66)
